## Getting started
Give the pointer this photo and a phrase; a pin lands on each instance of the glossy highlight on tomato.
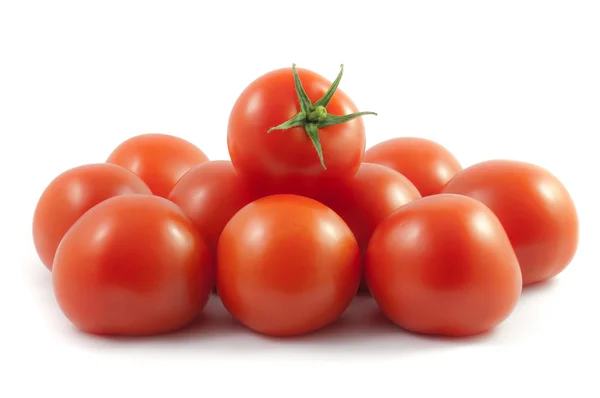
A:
(427, 164)
(68, 196)
(287, 265)
(132, 265)
(443, 265)
(159, 159)
(535, 209)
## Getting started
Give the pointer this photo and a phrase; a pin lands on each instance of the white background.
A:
(510, 79)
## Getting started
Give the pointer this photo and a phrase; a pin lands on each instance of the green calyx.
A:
(314, 116)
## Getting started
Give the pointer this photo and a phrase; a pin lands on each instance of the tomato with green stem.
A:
(291, 128)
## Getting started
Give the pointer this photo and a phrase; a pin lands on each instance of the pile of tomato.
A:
(301, 220)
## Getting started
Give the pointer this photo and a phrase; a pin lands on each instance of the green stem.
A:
(318, 114)
(314, 117)
(324, 100)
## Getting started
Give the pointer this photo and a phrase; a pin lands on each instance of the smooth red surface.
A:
(443, 265)
(70, 195)
(287, 265)
(368, 198)
(159, 159)
(535, 209)
(210, 194)
(133, 265)
(288, 158)
(427, 164)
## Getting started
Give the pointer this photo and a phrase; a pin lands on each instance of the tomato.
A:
(159, 159)
(291, 128)
(443, 265)
(210, 194)
(368, 198)
(287, 265)
(535, 209)
(70, 195)
(132, 265)
(425, 163)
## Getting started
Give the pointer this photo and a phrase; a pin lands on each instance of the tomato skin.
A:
(535, 209)
(70, 195)
(132, 265)
(159, 159)
(443, 265)
(425, 163)
(210, 194)
(288, 158)
(368, 198)
(287, 265)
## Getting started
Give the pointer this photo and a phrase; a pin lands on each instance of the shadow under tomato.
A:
(362, 325)
(213, 323)
(539, 287)
(362, 328)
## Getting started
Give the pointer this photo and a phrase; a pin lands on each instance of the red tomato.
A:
(287, 265)
(535, 209)
(132, 265)
(443, 265)
(71, 194)
(210, 194)
(159, 159)
(425, 163)
(292, 157)
(368, 198)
